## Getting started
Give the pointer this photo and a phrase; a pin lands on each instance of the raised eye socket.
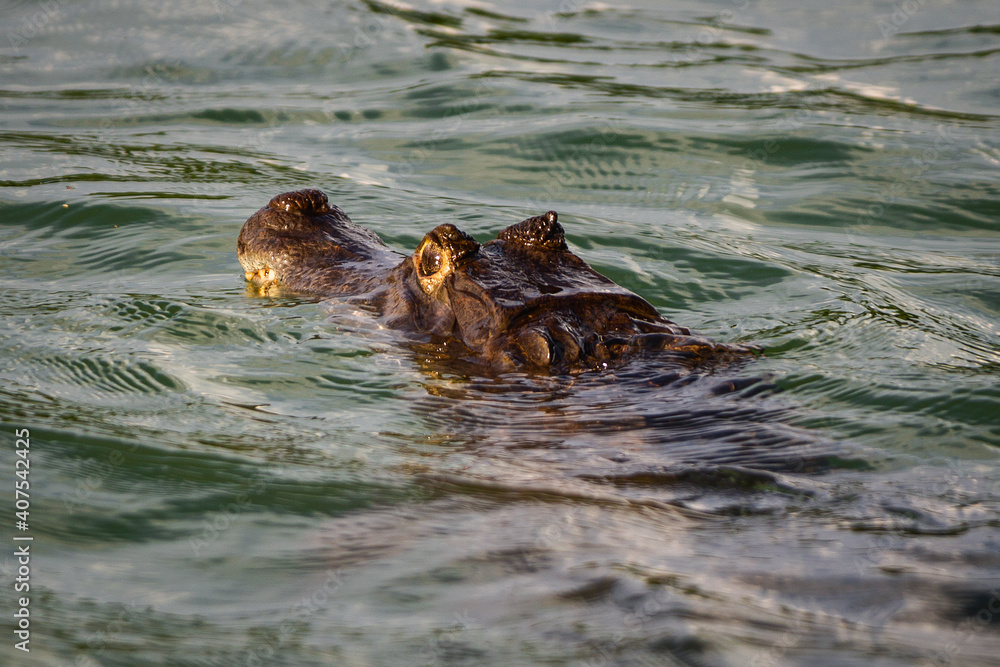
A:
(431, 260)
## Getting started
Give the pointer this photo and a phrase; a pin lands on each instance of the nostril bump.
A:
(308, 202)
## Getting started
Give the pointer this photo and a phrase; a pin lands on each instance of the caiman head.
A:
(521, 300)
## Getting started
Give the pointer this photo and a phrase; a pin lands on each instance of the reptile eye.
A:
(430, 260)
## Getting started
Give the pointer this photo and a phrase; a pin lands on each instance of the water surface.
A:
(223, 479)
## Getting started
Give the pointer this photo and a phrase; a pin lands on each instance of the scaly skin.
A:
(522, 300)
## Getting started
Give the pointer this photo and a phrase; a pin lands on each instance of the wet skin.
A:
(522, 300)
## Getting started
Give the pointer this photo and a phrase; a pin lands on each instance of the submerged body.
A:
(521, 300)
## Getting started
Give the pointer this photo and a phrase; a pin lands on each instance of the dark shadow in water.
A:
(654, 431)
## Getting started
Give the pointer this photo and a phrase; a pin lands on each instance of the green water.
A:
(222, 479)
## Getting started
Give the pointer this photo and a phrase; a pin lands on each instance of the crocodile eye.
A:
(433, 264)
(444, 249)
(431, 260)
